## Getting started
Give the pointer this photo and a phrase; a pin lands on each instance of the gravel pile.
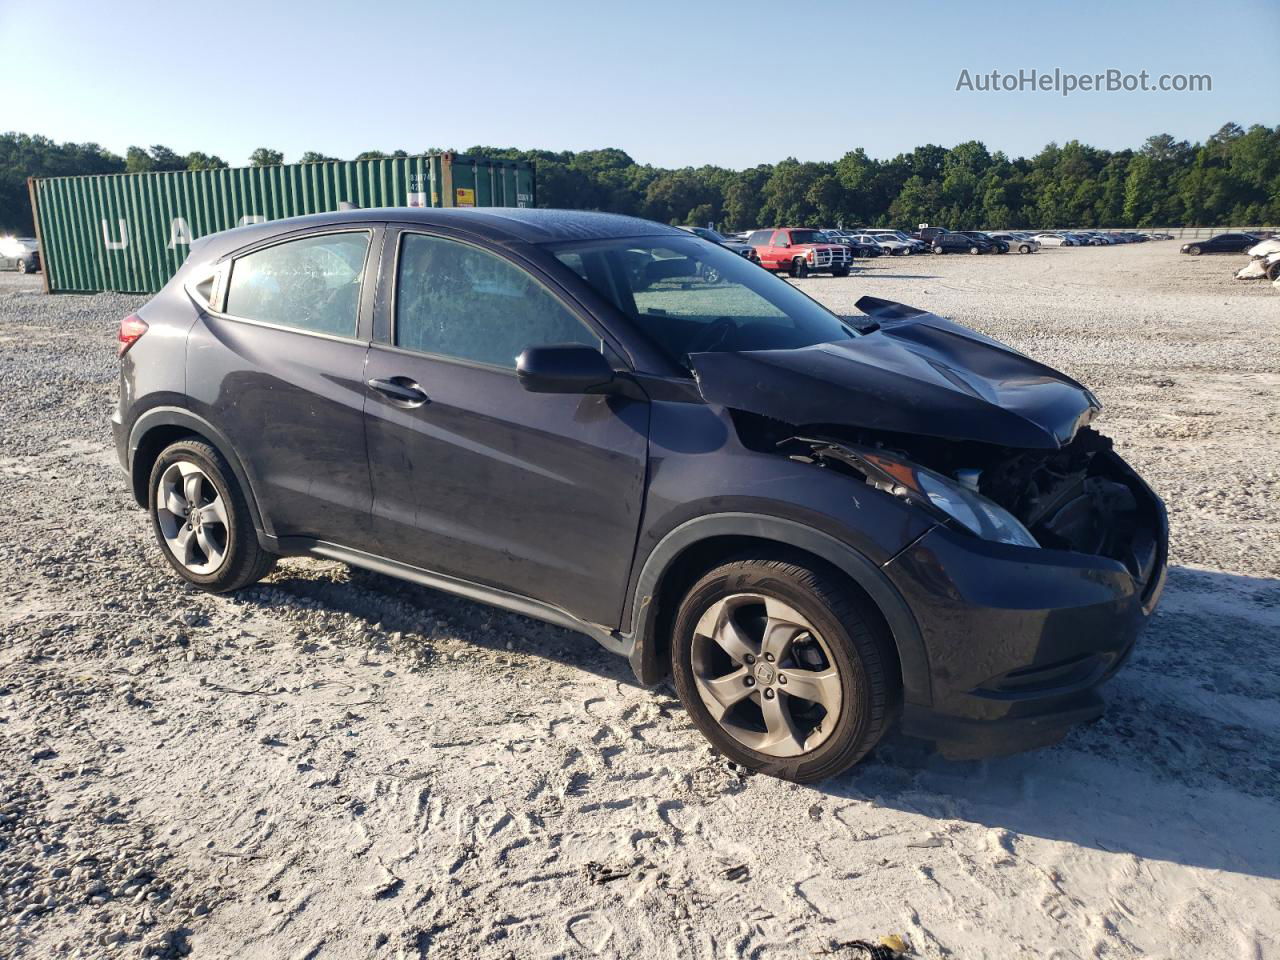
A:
(336, 764)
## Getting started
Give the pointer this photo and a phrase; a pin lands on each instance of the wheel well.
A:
(149, 449)
(707, 554)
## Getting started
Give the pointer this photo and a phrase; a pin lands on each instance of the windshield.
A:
(807, 236)
(707, 234)
(692, 298)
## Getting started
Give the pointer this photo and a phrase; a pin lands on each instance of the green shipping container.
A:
(131, 232)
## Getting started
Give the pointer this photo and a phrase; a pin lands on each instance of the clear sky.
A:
(672, 82)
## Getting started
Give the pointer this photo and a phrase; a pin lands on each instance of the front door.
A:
(476, 478)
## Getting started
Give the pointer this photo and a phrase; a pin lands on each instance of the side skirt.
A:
(526, 606)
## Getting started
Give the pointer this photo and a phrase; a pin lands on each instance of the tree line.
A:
(1232, 177)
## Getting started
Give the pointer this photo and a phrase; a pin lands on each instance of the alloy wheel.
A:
(192, 517)
(765, 675)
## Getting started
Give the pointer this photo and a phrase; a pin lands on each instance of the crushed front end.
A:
(1048, 552)
(1020, 633)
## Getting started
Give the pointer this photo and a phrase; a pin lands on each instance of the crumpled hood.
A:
(917, 374)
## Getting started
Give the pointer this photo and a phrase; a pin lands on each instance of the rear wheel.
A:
(202, 521)
(937, 248)
(783, 668)
(974, 251)
(22, 266)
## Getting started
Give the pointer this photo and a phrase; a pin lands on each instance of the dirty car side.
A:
(828, 449)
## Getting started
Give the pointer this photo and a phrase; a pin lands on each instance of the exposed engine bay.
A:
(1081, 498)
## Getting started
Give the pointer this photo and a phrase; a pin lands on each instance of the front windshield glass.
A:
(693, 298)
(807, 236)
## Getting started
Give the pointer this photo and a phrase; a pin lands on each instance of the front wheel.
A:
(938, 248)
(202, 521)
(1273, 271)
(1194, 251)
(783, 668)
(799, 269)
(840, 272)
(22, 265)
(974, 251)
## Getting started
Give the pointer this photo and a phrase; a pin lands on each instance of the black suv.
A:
(818, 526)
(948, 242)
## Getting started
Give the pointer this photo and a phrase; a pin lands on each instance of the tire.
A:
(938, 249)
(1194, 251)
(22, 266)
(974, 251)
(224, 519)
(799, 269)
(1024, 248)
(840, 272)
(1273, 271)
(838, 650)
(711, 275)
(905, 252)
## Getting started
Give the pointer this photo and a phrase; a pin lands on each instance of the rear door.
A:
(760, 241)
(780, 248)
(474, 477)
(277, 363)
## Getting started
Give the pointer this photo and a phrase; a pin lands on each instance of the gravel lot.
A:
(336, 764)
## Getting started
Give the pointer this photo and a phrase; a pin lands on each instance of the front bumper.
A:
(1019, 640)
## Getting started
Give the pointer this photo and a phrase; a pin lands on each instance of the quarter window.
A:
(460, 301)
(312, 284)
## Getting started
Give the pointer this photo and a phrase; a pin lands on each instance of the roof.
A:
(499, 224)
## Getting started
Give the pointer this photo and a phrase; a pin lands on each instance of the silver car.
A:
(19, 253)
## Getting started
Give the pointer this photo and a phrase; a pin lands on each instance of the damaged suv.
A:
(818, 527)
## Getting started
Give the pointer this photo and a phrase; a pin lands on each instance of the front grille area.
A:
(831, 256)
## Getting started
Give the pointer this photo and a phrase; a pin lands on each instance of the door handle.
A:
(399, 390)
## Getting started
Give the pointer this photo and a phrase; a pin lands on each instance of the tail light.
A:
(132, 328)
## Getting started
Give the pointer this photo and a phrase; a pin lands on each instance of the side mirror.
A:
(563, 368)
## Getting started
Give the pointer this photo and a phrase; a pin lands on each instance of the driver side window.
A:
(312, 284)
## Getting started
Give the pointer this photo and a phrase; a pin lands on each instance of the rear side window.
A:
(312, 284)
(459, 301)
(760, 238)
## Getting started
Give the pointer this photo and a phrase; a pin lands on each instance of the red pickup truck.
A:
(800, 252)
